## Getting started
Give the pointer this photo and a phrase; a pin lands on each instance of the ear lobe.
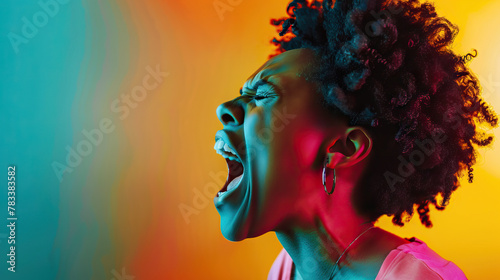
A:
(349, 149)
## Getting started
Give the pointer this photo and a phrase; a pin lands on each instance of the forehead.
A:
(289, 64)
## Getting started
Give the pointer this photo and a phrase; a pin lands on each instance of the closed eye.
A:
(256, 96)
(264, 91)
(261, 96)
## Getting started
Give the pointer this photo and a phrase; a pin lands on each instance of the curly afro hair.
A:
(388, 67)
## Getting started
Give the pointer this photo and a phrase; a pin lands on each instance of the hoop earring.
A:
(324, 179)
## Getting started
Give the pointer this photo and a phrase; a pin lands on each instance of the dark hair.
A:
(388, 66)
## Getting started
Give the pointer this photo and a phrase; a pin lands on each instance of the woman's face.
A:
(276, 134)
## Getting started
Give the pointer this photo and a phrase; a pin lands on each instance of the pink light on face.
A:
(306, 146)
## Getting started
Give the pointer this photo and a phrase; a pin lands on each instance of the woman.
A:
(365, 111)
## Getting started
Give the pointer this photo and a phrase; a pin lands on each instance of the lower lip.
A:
(236, 181)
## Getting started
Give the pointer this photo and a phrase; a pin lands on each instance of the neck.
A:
(317, 240)
(315, 252)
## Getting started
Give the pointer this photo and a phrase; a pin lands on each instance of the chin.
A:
(232, 232)
(235, 233)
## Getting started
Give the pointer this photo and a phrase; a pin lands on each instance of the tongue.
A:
(234, 182)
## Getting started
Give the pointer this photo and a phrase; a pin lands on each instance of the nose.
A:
(231, 113)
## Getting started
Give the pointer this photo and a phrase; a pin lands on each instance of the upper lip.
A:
(221, 135)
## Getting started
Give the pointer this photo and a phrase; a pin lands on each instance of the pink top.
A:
(409, 261)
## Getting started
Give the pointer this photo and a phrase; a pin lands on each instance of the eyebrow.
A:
(258, 84)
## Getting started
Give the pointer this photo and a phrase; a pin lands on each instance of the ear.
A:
(349, 148)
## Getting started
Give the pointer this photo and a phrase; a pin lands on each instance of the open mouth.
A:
(234, 166)
(234, 176)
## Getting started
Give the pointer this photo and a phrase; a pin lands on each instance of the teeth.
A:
(228, 149)
(234, 182)
(222, 148)
(232, 185)
(220, 144)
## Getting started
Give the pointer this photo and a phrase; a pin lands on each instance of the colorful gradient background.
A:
(118, 212)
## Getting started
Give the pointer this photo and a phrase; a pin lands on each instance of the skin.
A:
(283, 141)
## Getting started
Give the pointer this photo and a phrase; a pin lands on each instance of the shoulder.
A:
(282, 267)
(415, 260)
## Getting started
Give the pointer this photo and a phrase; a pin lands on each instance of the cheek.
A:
(267, 144)
(253, 126)
(279, 139)
(307, 145)
(299, 145)
(260, 130)
(258, 138)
